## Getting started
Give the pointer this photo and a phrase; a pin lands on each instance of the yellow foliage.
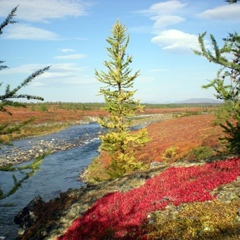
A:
(171, 154)
(198, 220)
(96, 172)
(4, 138)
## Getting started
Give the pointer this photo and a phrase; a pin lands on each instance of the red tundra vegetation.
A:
(51, 113)
(120, 215)
(187, 137)
(182, 135)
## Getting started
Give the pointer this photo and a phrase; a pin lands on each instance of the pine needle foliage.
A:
(8, 98)
(119, 142)
(9, 19)
(226, 83)
(32, 168)
(232, 1)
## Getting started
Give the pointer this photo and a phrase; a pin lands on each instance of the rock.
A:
(27, 217)
(157, 164)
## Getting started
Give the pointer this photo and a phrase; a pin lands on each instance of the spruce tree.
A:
(8, 98)
(119, 142)
(226, 84)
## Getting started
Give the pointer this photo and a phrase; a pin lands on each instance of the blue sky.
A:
(70, 35)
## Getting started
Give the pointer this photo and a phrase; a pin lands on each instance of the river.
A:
(58, 172)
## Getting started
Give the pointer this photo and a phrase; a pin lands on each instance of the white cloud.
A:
(71, 57)
(39, 11)
(66, 50)
(57, 75)
(27, 69)
(24, 31)
(167, 20)
(175, 40)
(66, 74)
(42, 11)
(225, 12)
(165, 7)
(165, 13)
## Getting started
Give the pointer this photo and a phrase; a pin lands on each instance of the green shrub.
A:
(43, 107)
(170, 154)
(202, 152)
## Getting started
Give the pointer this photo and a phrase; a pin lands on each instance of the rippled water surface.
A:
(58, 172)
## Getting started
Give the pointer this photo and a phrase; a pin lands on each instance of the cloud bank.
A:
(36, 11)
(168, 16)
(44, 10)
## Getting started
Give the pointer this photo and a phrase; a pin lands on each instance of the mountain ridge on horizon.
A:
(200, 100)
(191, 101)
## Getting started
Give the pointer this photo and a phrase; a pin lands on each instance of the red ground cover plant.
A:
(186, 133)
(118, 215)
(53, 114)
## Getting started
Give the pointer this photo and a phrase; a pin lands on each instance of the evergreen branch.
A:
(28, 97)
(16, 186)
(229, 58)
(2, 66)
(9, 94)
(3, 109)
(14, 179)
(232, 1)
(34, 166)
(8, 168)
(8, 20)
(10, 103)
(216, 48)
(15, 128)
(202, 46)
(5, 128)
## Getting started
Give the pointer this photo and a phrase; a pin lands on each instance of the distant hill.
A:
(201, 100)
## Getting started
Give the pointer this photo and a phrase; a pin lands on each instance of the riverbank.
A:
(57, 173)
(46, 118)
(51, 117)
(37, 146)
(213, 217)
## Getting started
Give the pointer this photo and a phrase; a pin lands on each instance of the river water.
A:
(57, 173)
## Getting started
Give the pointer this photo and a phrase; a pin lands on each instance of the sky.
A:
(70, 36)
